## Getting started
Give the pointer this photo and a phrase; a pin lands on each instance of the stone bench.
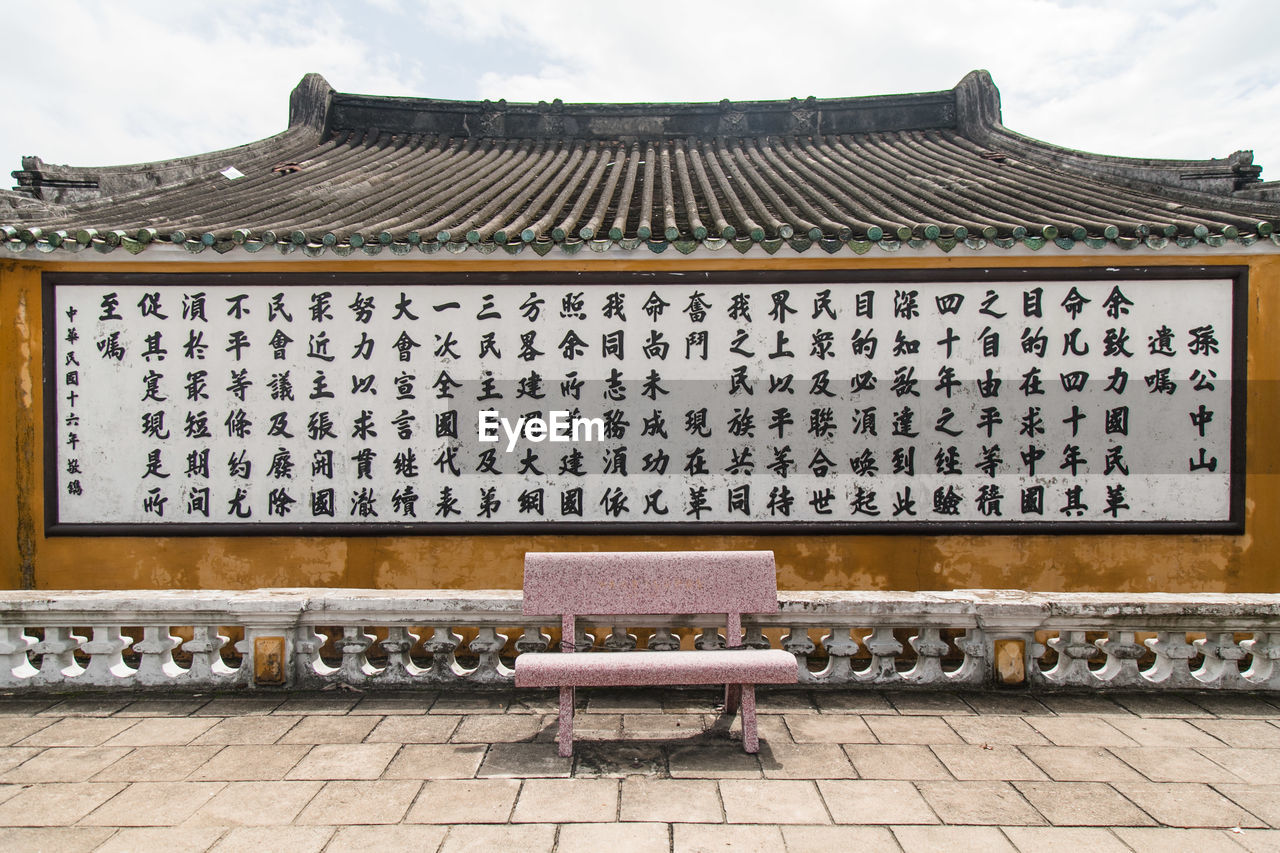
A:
(645, 583)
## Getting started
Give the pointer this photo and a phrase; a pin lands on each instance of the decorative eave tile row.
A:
(18, 241)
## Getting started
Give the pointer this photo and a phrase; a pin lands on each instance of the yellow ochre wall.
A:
(1138, 563)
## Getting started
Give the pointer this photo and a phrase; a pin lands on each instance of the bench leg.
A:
(566, 721)
(732, 698)
(750, 737)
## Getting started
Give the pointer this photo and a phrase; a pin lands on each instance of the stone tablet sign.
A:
(974, 401)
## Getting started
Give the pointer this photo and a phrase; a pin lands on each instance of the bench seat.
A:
(635, 669)
(642, 584)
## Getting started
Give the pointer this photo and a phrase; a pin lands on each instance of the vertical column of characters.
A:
(241, 417)
(1074, 379)
(618, 414)
(448, 391)
(282, 438)
(491, 397)
(667, 392)
(322, 436)
(701, 417)
(1031, 440)
(735, 457)
(408, 425)
(1116, 417)
(1206, 364)
(531, 389)
(663, 395)
(527, 473)
(841, 419)
(192, 372)
(1203, 344)
(573, 468)
(68, 386)
(364, 409)
(154, 428)
(945, 395)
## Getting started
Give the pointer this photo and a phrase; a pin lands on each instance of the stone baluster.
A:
(57, 656)
(1220, 666)
(1121, 668)
(205, 648)
(976, 666)
(1173, 660)
(841, 647)
(884, 649)
(619, 640)
(753, 637)
(488, 645)
(1072, 668)
(533, 639)
(930, 649)
(663, 640)
(307, 648)
(1034, 658)
(352, 645)
(106, 657)
(400, 668)
(15, 666)
(708, 639)
(798, 643)
(1264, 648)
(443, 646)
(156, 665)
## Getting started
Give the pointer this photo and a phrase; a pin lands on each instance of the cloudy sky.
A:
(105, 83)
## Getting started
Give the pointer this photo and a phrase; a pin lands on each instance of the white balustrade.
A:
(371, 639)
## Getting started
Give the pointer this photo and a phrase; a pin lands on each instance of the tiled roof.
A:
(356, 173)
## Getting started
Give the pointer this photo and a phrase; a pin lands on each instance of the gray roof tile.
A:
(365, 173)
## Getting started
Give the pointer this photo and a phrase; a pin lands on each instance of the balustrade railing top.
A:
(312, 637)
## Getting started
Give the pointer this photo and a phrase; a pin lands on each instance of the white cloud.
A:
(1181, 79)
(1191, 81)
(137, 85)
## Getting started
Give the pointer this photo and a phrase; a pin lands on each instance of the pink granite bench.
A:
(654, 583)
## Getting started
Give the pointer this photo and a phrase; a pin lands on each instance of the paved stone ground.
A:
(346, 771)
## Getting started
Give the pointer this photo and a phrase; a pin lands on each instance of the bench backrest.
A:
(607, 583)
(650, 582)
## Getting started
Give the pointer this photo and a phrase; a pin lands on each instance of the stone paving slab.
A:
(652, 771)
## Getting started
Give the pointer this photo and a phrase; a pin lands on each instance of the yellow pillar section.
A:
(18, 379)
(1171, 563)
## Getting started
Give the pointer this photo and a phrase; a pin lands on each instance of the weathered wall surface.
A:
(1170, 563)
